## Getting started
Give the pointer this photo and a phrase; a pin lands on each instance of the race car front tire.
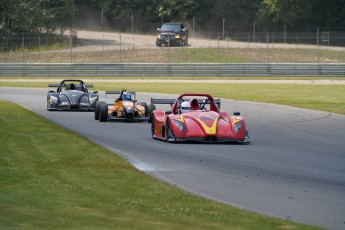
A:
(169, 136)
(153, 126)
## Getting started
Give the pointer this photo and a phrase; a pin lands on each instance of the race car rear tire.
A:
(150, 109)
(103, 112)
(97, 108)
(144, 104)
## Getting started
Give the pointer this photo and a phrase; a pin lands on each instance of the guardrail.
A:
(174, 69)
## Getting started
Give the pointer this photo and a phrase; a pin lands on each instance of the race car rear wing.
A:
(162, 101)
(57, 85)
(119, 92)
(172, 101)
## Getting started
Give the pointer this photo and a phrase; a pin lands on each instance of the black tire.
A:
(103, 112)
(152, 127)
(97, 108)
(48, 105)
(150, 109)
(168, 133)
(144, 104)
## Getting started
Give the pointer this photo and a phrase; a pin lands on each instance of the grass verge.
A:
(46, 185)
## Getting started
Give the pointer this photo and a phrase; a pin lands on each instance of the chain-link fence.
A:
(133, 40)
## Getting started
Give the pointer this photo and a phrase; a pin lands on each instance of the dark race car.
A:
(72, 95)
(172, 34)
(196, 117)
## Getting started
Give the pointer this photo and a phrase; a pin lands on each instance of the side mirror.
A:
(184, 29)
(51, 91)
(94, 91)
(158, 29)
(237, 113)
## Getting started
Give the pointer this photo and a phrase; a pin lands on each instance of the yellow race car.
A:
(125, 108)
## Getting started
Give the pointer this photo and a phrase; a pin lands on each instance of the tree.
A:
(33, 16)
(277, 13)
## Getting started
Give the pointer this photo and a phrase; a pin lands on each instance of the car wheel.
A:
(97, 108)
(48, 105)
(153, 126)
(150, 110)
(103, 112)
(169, 136)
(145, 107)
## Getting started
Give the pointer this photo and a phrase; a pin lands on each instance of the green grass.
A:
(180, 55)
(51, 178)
(329, 98)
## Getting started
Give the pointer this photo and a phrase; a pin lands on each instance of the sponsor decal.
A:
(235, 119)
(180, 119)
(208, 123)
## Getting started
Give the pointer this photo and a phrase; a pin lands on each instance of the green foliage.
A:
(50, 15)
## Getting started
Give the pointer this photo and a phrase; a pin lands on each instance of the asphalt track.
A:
(293, 169)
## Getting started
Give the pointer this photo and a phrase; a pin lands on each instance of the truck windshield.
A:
(170, 27)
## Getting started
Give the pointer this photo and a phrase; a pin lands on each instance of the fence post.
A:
(71, 45)
(133, 28)
(254, 31)
(268, 52)
(193, 26)
(103, 28)
(223, 28)
(218, 51)
(23, 47)
(318, 46)
(120, 49)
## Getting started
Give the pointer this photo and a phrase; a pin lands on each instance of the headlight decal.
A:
(237, 126)
(179, 125)
(93, 99)
(53, 100)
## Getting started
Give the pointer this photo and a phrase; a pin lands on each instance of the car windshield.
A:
(170, 27)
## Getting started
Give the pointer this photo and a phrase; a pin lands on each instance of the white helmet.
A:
(185, 107)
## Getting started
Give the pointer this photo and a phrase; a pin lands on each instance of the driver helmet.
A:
(72, 86)
(126, 96)
(185, 107)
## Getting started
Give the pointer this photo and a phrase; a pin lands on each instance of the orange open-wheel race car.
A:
(124, 108)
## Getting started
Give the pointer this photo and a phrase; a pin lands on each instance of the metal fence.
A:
(136, 48)
(216, 41)
(154, 69)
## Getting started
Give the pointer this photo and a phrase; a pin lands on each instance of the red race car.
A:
(196, 117)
